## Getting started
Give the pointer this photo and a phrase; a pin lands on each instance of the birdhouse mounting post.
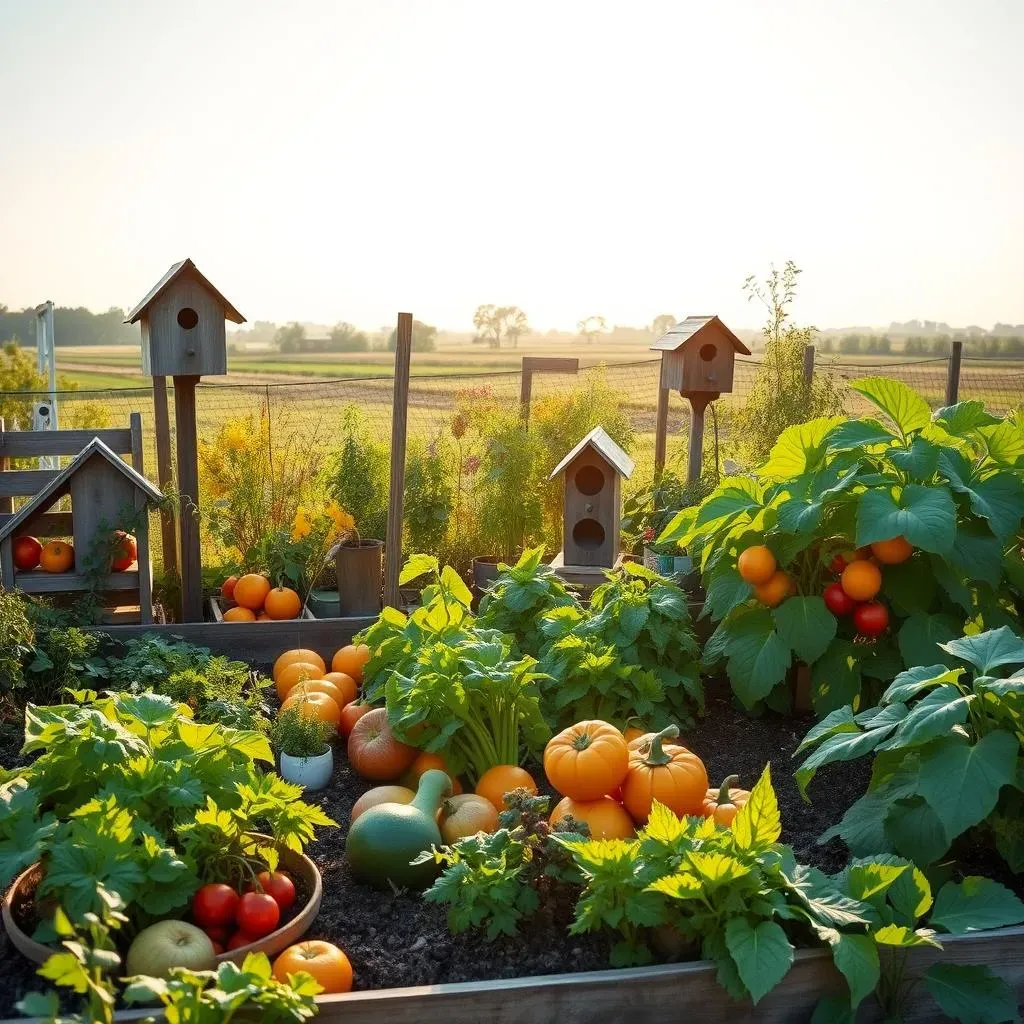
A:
(188, 508)
(695, 450)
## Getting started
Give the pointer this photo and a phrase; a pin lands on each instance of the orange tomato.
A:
(756, 564)
(227, 588)
(315, 705)
(239, 614)
(423, 763)
(319, 686)
(299, 654)
(606, 818)
(502, 779)
(282, 603)
(350, 714)
(345, 683)
(324, 961)
(892, 551)
(775, 590)
(861, 580)
(57, 556)
(296, 672)
(251, 591)
(351, 660)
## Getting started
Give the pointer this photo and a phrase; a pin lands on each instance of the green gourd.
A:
(384, 840)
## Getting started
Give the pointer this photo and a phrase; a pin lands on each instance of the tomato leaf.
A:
(925, 516)
(758, 657)
(971, 994)
(976, 904)
(987, 651)
(856, 956)
(806, 625)
(921, 637)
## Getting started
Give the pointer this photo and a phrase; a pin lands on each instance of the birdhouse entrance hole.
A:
(187, 318)
(589, 480)
(708, 352)
(588, 534)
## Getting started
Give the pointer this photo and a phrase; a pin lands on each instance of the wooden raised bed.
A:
(672, 992)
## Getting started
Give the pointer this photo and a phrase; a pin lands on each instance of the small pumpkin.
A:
(670, 774)
(374, 752)
(605, 818)
(724, 802)
(466, 815)
(586, 761)
(502, 779)
(424, 762)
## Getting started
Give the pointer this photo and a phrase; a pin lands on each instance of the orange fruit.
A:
(251, 591)
(351, 660)
(294, 673)
(282, 603)
(57, 556)
(756, 564)
(775, 590)
(861, 580)
(327, 964)
(892, 551)
(263, 617)
(502, 779)
(315, 705)
(340, 697)
(227, 588)
(239, 614)
(299, 654)
(342, 681)
(424, 762)
(607, 818)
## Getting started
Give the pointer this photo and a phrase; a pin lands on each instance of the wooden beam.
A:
(661, 431)
(39, 582)
(29, 444)
(46, 524)
(399, 422)
(165, 473)
(953, 373)
(699, 401)
(540, 364)
(808, 366)
(188, 487)
(6, 501)
(23, 483)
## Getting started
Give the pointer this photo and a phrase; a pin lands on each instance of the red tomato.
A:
(124, 551)
(871, 618)
(219, 933)
(238, 940)
(837, 565)
(26, 553)
(218, 948)
(837, 601)
(214, 906)
(276, 884)
(257, 914)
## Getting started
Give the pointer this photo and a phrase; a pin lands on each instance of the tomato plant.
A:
(915, 508)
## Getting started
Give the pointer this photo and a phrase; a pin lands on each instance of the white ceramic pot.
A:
(311, 772)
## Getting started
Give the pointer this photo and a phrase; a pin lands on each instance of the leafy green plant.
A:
(17, 640)
(496, 881)
(298, 735)
(949, 483)
(222, 692)
(947, 744)
(358, 474)
(62, 657)
(519, 596)
(429, 493)
(646, 513)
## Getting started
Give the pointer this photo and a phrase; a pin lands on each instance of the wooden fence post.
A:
(661, 431)
(165, 475)
(6, 504)
(953, 373)
(396, 499)
(540, 364)
(188, 486)
(808, 366)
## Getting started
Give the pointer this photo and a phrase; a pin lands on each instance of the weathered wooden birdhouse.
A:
(698, 355)
(592, 501)
(182, 321)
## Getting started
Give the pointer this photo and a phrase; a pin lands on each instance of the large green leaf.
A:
(999, 497)
(758, 824)
(730, 500)
(1004, 443)
(841, 746)
(977, 554)
(799, 449)
(963, 418)
(857, 434)
(806, 625)
(975, 904)
(909, 586)
(918, 461)
(971, 994)
(835, 678)
(903, 937)
(763, 955)
(907, 410)
(921, 637)
(833, 1010)
(758, 657)
(856, 956)
(925, 516)
(961, 781)
(918, 679)
(935, 715)
(726, 590)
(988, 650)
(915, 831)
(417, 566)
(840, 720)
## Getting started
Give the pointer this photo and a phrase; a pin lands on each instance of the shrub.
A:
(358, 474)
(429, 493)
(17, 640)
(297, 735)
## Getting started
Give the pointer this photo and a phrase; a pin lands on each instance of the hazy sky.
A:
(344, 160)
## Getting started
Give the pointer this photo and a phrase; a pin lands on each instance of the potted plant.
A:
(306, 755)
(359, 566)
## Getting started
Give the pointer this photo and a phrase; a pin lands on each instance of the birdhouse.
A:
(698, 355)
(182, 321)
(592, 502)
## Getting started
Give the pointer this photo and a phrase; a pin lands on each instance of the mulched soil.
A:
(396, 939)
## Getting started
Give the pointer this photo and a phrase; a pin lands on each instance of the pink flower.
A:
(649, 534)
(472, 464)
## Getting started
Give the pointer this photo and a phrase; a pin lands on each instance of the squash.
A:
(383, 841)
(381, 795)
(605, 818)
(374, 752)
(502, 779)
(586, 761)
(724, 803)
(466, 815)
(670, 774)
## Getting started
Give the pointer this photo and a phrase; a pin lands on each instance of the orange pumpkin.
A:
(605, 818)
(319, 686)
(423, 763)
(724, 803)
(350, 714)
(303, 654)
(373, 750)
(350, 660)
(345, 684)
(56, 556)
(251, 591)
(227, 588)
(315, 705)
(239, 614)
(466, 815)
(587, 760)
(282, 603)
(633, 732)
(327, 964)
(296, 672)
(381, 795)
(670, 774)
(502, 779)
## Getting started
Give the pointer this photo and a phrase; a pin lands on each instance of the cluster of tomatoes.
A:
(233, 919)
(59, 556)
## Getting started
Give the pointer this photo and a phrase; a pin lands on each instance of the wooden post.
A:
(699, 401)
(660, 431)
(188, 487)
(165, 475)
(6, 504)
(953, 373)
(540, 364)
(396, 498)
(808, 366)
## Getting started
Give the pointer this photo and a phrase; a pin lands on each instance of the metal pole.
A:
(953, 373)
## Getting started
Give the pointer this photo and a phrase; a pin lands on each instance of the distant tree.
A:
(291, 337)
(496, 322)
(849, 344)
(590, 327)
(424, 337)
(884, 345)
(516, 326)
(915, 346)
(827, 345)
(662, 324)
(940, 346)
(344, 337)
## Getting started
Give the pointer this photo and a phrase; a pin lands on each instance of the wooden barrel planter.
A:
(300, 867)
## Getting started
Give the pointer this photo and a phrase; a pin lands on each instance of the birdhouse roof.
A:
(59, 484)
(688, 329)
(183, 269)
(601, 442)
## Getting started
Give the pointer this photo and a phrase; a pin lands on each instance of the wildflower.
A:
(649, 534)
(302, 526)
(343, 521)
(472, 464)
(459, 425)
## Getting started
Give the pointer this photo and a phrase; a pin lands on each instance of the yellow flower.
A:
(302, 526)
(343, 521)
(235, 437)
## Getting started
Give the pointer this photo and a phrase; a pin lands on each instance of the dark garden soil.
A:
(396, 939)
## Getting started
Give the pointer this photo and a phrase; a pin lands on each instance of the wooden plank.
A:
(953, 373)
(188, 486)
(46, 524)
(661, 431)
(28, 444)
(525, 392)
(6, 502)
(23, 483)
(164, 473)
(396, 495)
(39, 582)
(547, 364)
(101, 497)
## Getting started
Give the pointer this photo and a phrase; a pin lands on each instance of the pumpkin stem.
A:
(723, 792)
(656, 755)
(581, 740)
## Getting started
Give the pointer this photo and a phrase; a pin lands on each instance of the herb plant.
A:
(947, 746)
(297, 735)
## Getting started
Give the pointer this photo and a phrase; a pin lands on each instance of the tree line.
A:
(938, 345)
(71, 326)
